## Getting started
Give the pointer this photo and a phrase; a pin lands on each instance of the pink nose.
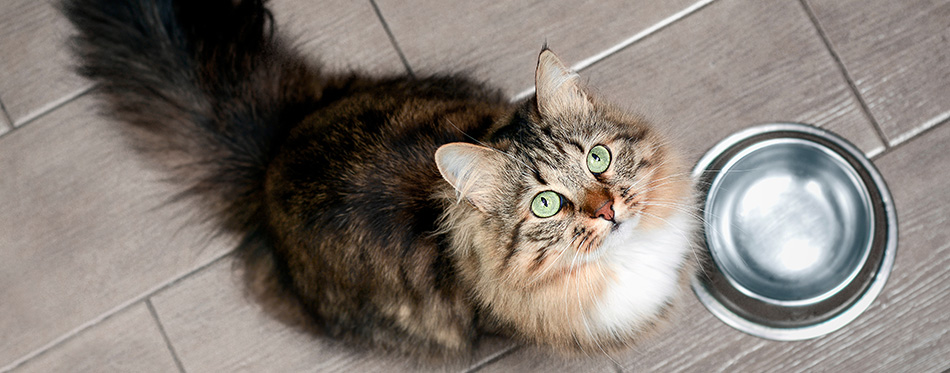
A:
(606, 211)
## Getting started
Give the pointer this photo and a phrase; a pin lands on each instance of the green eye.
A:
(598, 159)
(546, 204)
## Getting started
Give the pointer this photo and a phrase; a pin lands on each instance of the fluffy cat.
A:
(408, 214)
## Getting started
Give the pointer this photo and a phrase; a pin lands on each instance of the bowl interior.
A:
(788, 221)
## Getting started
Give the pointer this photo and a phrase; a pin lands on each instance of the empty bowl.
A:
(799, 228)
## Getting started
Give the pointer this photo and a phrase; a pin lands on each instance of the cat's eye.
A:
(546, 204)
(598, 159)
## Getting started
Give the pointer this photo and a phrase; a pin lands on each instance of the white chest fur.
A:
(646, 264)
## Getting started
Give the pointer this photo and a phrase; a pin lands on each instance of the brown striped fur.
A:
(394, 212)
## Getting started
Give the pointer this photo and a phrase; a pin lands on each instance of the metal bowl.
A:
(800, 228)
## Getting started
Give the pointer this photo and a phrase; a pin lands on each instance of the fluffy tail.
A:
(204, 84)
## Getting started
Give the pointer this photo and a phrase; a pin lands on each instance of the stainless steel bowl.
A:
(800, 229)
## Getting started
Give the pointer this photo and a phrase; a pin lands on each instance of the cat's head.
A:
(555, 194)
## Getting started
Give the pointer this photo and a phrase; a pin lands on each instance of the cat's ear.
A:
(471, 169)
(558, 88)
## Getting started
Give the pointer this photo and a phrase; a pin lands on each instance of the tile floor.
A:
(95, 277)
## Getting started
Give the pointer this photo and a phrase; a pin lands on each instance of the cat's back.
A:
(374, 138)
(350, 203)
(362, 165)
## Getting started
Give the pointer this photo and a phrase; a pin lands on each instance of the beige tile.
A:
(897, 53)
(499, 41)
(129, 341)
(215, 327)
(34, 62)
(732, 65)
(84, 228)
(534, 359)
(905, 329)
(342, 34)
(35, 71)
(79, 236)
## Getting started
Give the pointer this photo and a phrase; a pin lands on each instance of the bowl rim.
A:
(840, 316)
(852, 174)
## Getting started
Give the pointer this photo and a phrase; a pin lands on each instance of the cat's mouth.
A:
(621, 229)
(628, 218)
(591, 246)
(614, 227)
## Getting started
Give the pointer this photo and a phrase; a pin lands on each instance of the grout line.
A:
(105, 315)
(617, 367)
(876, 152)
(491, 359)
(6, 115)
(587, 62)
(392, 38)
(933, 122)
(161, 328)
(49, 109)
(642, 34)
(53, 105)
(846, 74)
(35, 354)
(918, 132)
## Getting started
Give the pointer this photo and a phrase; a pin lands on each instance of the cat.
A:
(407, 214)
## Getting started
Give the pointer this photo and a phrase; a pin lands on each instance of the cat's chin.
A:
(623, 231)
(646, 266)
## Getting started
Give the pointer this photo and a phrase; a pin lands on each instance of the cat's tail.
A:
(204, 84)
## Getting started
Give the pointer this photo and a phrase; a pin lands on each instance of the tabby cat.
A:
(411, 214)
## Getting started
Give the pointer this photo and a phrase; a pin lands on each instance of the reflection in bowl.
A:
(800, 228)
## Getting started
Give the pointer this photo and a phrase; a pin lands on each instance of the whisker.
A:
(567, 284)
(583, 314)
(479, 142)
(654, 181)
(554, 261)
(656, 185)
(692, 244)
(546, 268)
(692, 211)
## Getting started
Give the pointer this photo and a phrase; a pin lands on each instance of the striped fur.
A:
(394, 212)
